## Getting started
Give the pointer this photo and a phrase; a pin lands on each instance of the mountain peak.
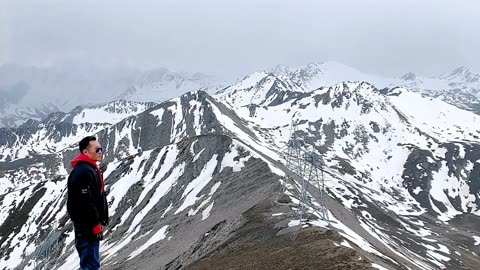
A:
(461, 74)
(356, 97)
(460, 70)
(327, 65)
(199, 76)
(409, 77)
(261, 88)
(316, 75)
(157, 75)
(252, 79)
(309, 70)
(354, 86)
(280, 70)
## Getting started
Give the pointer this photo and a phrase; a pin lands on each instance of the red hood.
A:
(85, 158)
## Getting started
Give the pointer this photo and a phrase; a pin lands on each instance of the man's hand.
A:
(99, 236)
(98, 231)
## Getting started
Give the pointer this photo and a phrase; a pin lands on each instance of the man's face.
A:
(94, 151)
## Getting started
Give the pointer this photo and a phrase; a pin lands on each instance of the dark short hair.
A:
(83, 144)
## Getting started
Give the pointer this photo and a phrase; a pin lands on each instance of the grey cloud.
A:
(385, 37)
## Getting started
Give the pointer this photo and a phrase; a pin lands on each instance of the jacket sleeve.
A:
(104, 218)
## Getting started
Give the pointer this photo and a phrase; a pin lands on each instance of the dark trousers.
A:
(89, 252)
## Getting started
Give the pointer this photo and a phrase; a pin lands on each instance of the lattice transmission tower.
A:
(307, 169)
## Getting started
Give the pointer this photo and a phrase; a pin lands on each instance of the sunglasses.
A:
(98, 149)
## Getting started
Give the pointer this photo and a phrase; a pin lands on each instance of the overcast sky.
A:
(384, 37)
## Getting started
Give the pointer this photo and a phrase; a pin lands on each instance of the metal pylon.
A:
(294, 154)
(306, 168)
(252, 109)
(315, 176)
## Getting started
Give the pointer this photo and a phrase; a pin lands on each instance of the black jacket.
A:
(86, 204)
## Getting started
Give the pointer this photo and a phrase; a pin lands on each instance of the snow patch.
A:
(477, 240)
(196, 185)
(159, 235)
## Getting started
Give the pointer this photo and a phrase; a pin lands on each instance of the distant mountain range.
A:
(33, 93)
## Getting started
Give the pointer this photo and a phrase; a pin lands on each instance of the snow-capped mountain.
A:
(315, 75)
(162, 84)
(199, 182)
(280, 70)
(463, 76)
(111, 112)
(11, 114)
(460, 87)
(33, 93)
(60, 130)
(261, 89)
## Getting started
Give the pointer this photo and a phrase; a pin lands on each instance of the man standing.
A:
(87, 203)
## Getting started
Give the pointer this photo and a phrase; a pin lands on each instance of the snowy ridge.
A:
(163, 84)
(111, 112)
(60, 130)
(14, 115)
(462, 75)
(460, 87)
(261, 88)
(34, 138)
(316, 75)
(437, 118)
